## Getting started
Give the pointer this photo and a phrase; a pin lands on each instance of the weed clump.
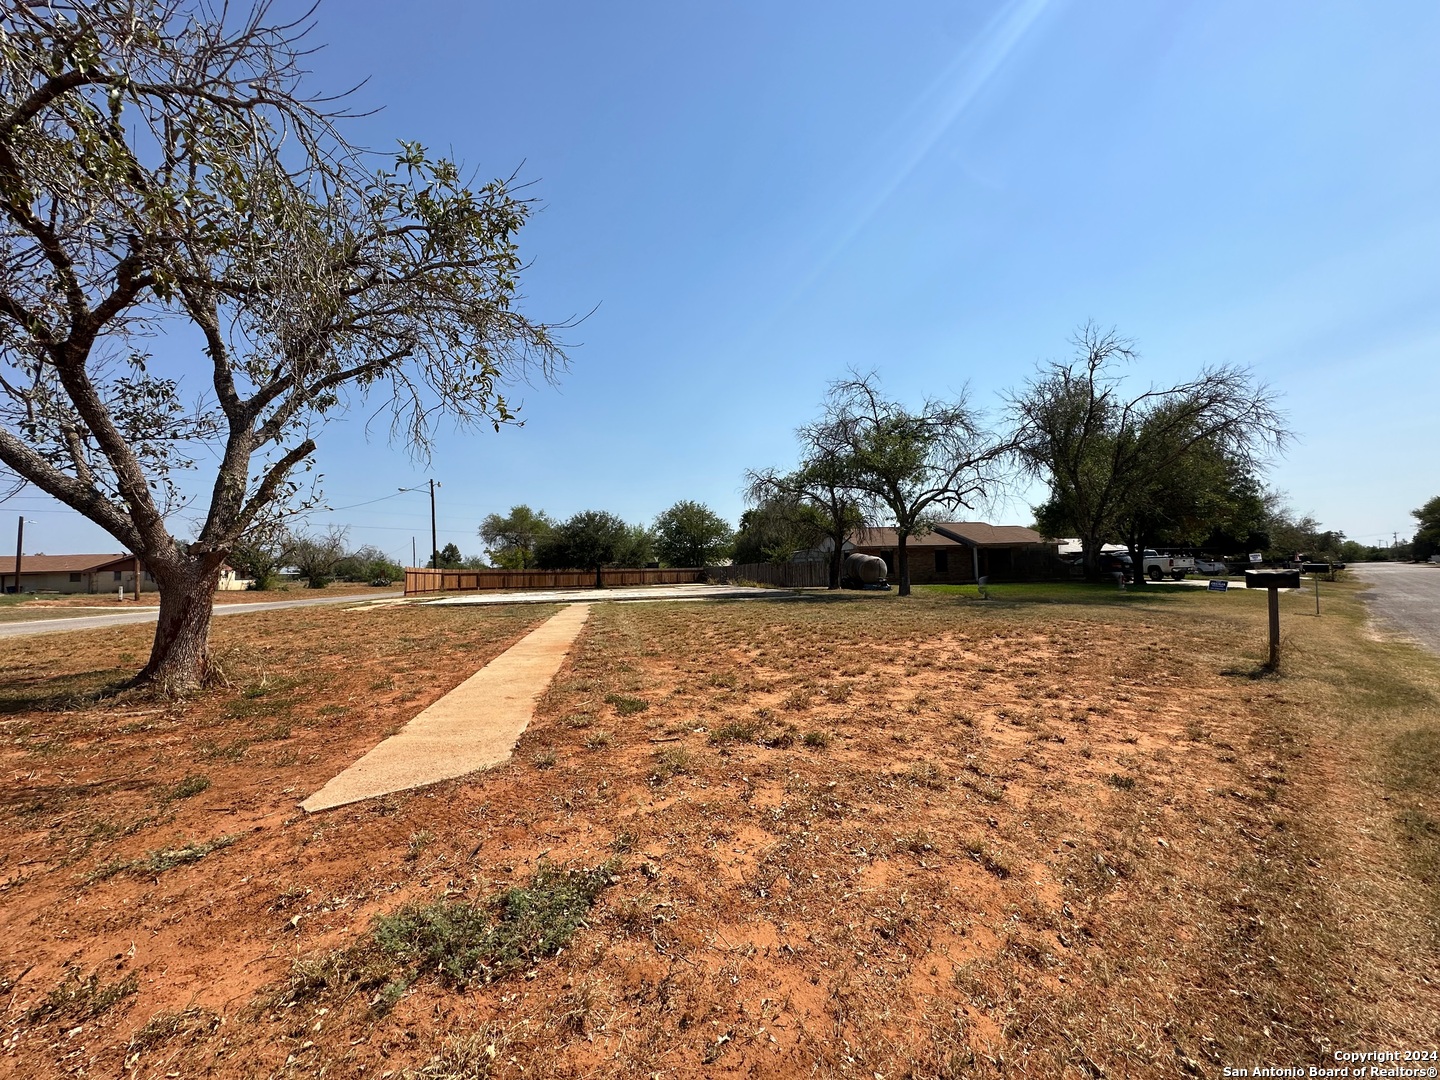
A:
(157, 862)
(165, 1026)
(419, 841)
(989, 858)
(193, 784)
(469, 1057)
(465, 943)
(625, 705)
(672, 761)
(83, 999)
(763, 730)
(468, 943)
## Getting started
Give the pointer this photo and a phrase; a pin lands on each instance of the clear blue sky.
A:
(760, 195)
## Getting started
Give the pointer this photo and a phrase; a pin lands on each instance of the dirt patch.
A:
(847, 838)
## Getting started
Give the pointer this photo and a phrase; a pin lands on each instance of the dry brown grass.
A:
(858, 837)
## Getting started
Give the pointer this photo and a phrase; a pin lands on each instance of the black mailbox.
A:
(1272, 579)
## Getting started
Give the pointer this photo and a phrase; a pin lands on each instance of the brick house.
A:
(959, 552)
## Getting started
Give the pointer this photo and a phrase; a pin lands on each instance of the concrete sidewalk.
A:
(472, 727)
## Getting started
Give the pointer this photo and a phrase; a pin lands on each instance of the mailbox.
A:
(1272, 579)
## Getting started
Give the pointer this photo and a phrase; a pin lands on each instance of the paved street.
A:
(120, 618)
(1405, 596)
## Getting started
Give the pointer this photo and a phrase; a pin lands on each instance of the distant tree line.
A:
(687, 534)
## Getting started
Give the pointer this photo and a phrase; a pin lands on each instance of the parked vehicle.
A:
(1177, 566)
(1213, 567)
(1111, 562)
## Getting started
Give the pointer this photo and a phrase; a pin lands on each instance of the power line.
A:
(369, 502)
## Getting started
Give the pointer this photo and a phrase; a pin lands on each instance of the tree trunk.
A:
(837, 560)
(180, 655)
(902, 561)
(599, 583)
(1090, 556)
(1137, 563)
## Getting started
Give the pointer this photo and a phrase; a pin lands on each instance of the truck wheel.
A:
(1178, 575)
(1154, 573)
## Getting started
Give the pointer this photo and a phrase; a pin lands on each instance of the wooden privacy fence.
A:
(790, 575)
(424, 580)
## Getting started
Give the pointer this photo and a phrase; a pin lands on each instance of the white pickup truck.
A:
(1158, 566)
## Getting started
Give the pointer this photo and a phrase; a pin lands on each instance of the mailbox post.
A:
(1273, 581)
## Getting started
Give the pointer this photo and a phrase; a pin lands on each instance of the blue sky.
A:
(758, 196)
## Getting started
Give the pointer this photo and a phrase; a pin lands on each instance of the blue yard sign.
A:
(1219, 586)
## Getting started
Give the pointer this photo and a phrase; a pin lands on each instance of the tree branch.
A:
(81, 497)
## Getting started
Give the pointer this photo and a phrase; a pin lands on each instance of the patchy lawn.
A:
(1062, 833)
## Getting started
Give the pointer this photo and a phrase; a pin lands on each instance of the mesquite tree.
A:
(910, 464)
(161, 165)
(823, 483)
(1111, 456)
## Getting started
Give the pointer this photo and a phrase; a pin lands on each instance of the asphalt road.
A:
(91, 622)
(1406, 596)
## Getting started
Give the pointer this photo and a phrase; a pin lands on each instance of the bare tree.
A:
(160, 165)
(824, 483)
(910, 465)
(1108, 456)
(317, 555)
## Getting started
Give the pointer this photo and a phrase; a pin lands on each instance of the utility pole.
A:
(19, 551)
(434, 541)
(434, 536)
(412, 552)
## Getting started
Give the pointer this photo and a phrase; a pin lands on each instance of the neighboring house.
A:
(89, 574)
(230, 581)
(960, 552)
(75, 573)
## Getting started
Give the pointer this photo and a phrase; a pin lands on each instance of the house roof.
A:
(982, 535)
(60, 564)
(120, 562)
(879, 537)
(949, 534)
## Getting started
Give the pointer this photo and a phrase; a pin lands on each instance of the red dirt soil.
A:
(851, 840)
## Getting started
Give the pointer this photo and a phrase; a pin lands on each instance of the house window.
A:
(76, 577)
(942, 562)
(117, 575)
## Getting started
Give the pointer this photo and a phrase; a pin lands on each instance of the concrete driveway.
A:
(150, 614)
(1406, 597)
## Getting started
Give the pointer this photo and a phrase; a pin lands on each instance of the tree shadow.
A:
(1259, 671)
(66, 693)
(37, 798)
(1085, 593)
